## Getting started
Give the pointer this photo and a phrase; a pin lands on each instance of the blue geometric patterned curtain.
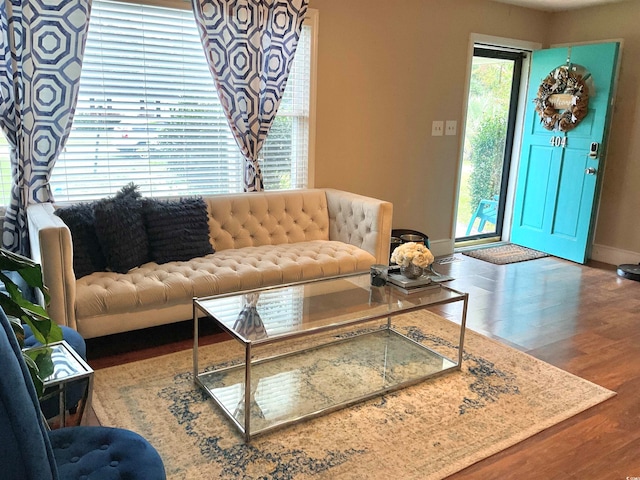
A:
(40, 62)
(249, 45)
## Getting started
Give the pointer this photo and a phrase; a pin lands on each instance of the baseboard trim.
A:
(441, 248)
(613, 256)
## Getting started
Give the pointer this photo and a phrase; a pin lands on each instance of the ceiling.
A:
(557, 5)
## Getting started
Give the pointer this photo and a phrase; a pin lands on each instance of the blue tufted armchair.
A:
(30, 452)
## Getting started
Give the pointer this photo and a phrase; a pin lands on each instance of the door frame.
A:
(500, 43)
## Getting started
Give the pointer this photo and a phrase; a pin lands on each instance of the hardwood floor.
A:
(582, 319)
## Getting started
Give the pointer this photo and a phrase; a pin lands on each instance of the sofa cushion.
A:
(174, 284)
(121, 231)
(178, 230)
(87, 254)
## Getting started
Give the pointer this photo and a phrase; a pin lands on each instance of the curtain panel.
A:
(250, 46)
(40, 64)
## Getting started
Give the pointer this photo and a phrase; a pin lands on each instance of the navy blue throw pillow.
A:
(120, 229)
(178, 230)
(87, 254)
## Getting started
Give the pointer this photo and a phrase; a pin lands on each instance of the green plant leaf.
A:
(29, 270)
(18, 330)
(10, 306)
(41, 356)
(15, 305)
(35, 316)
(20, 310)
(33, 371)
(44, 330)
(16, 295)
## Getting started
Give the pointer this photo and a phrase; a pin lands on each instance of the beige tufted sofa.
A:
(260, 239)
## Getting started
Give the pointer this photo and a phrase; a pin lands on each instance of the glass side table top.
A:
(67, 364)
(68, 368)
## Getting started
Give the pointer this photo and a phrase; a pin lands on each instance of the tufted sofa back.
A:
(267, 218)
(361, 221)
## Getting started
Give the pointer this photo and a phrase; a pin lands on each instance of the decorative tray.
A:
(404, 282)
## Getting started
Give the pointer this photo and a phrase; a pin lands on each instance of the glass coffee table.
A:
(306, 349)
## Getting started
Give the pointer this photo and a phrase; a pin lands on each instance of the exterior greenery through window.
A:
(148, 112)
(487, 155)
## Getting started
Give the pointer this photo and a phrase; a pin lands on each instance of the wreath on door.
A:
(563, 99)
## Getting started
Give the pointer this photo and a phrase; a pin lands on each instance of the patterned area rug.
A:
(427, 431)
(504, 254)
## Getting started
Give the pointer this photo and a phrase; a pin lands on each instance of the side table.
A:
(68, 368)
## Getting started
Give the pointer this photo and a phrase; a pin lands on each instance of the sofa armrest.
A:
(361, 221)
(51, 247)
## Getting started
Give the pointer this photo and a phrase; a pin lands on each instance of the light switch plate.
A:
(451, 127)
(437, 128)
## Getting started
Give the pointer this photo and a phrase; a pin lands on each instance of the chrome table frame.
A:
(248, 364)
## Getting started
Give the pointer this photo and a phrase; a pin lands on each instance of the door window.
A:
(488, 138)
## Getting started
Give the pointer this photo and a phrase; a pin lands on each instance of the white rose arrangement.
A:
(412, 252)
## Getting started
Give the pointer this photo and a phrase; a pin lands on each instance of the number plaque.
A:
(558, 141)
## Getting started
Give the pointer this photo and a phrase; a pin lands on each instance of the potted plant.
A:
(21, 311)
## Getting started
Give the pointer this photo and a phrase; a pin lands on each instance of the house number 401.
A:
(558, 141)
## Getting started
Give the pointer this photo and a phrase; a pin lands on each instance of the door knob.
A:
(590, 171)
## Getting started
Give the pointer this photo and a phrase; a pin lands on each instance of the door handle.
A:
(590, 171)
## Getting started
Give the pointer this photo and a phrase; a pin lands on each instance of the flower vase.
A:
(411, 271)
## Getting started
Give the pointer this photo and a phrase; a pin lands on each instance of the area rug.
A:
(427, 431)
(504, 254)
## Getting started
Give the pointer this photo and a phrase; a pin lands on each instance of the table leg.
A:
(247, 393)
(62, 404)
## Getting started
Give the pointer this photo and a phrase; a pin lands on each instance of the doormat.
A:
(504, 254)
(424, 432)
(447, 260)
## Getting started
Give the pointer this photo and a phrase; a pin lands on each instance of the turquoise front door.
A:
(560, 169)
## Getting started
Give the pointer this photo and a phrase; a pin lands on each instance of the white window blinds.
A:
(148, 112)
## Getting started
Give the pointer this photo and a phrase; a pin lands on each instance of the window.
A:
(148, 112)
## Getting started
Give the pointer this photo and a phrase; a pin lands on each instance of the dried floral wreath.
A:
(562, 81)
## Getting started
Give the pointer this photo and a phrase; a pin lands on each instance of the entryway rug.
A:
(504, 254)
(427, 431)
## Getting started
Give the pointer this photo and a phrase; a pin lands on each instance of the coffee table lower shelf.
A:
(303, 384)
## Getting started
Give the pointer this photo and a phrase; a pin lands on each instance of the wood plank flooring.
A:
(582, 319)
